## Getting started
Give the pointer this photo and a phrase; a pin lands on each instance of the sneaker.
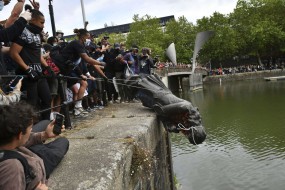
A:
(82, 110)
(92, 108)
(89, 109)
(80, 115)
(79, 112)
(100, 107)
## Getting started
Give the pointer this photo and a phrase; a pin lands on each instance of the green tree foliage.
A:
(255, 27)
(259, 27)
(182, 34)
(146, 32)
(113, 38)
(222, 45)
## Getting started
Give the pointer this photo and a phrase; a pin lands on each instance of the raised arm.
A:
(18, 8)
(10, 33)
(93, 62)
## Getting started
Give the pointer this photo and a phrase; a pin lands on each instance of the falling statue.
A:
(176, 114)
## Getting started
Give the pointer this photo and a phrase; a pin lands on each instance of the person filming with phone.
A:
(21, 168)
(145, 62)
(14, 95)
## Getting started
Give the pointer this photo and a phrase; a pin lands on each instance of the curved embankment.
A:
(121, 147)
(244, 76)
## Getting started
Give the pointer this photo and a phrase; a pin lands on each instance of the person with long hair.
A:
(71, 56)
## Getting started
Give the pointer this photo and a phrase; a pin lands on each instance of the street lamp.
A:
(52, 18)
(85, 23)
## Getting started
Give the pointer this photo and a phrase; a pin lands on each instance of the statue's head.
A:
(195, 131)
(196, 134)
(191, 126)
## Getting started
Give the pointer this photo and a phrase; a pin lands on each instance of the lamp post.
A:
(83, 14)
(51, 18)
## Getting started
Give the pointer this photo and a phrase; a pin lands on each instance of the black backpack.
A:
(56, 50)
(65, 65)
(9, 154)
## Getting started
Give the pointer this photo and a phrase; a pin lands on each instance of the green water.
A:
(245, 146)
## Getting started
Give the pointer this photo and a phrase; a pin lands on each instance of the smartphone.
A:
(59, 119)
(15, 81)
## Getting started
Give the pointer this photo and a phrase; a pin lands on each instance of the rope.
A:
(128, 85)
(60, 76)
(63, 104)
(192, 128)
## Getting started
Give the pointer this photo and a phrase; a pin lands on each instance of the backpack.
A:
(56, 50)
(65, 66)
(9, 154)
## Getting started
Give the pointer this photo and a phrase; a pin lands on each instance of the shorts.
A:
(71, 82)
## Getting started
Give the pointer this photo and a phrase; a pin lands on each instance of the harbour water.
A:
(245, 146)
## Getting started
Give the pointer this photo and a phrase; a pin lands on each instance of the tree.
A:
(114, 37)
(222, 45)
(182, 34)
(259, 26)
(146, 32)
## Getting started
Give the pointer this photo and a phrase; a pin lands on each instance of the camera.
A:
(59, 119)
(15, 82)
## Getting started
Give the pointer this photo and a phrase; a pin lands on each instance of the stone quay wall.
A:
(121, 147)
(243, 76)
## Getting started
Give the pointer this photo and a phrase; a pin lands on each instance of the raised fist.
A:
(26, 15)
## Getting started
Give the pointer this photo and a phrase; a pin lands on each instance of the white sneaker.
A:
(79, 112)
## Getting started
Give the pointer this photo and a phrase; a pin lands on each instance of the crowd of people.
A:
(44, 60)
(245, 68)
(93, 74)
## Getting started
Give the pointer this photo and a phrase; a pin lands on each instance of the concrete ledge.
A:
(101, 149)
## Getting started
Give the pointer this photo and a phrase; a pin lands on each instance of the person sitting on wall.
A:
(16, 137)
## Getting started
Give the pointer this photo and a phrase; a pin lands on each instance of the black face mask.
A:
(34, 28)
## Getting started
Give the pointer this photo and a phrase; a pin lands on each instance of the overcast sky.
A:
(68, 13)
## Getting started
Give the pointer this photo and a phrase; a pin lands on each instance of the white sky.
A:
(68, 13)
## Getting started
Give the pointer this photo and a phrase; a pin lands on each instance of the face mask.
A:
(1, 5)
(55, 44)
(34, 28)
(87, 42)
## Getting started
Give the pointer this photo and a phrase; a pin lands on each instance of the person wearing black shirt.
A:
(114, 64)
(73, 54)
(145, 62)
(26, 52)
(10, 33)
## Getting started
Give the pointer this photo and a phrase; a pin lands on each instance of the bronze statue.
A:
(177, 115)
